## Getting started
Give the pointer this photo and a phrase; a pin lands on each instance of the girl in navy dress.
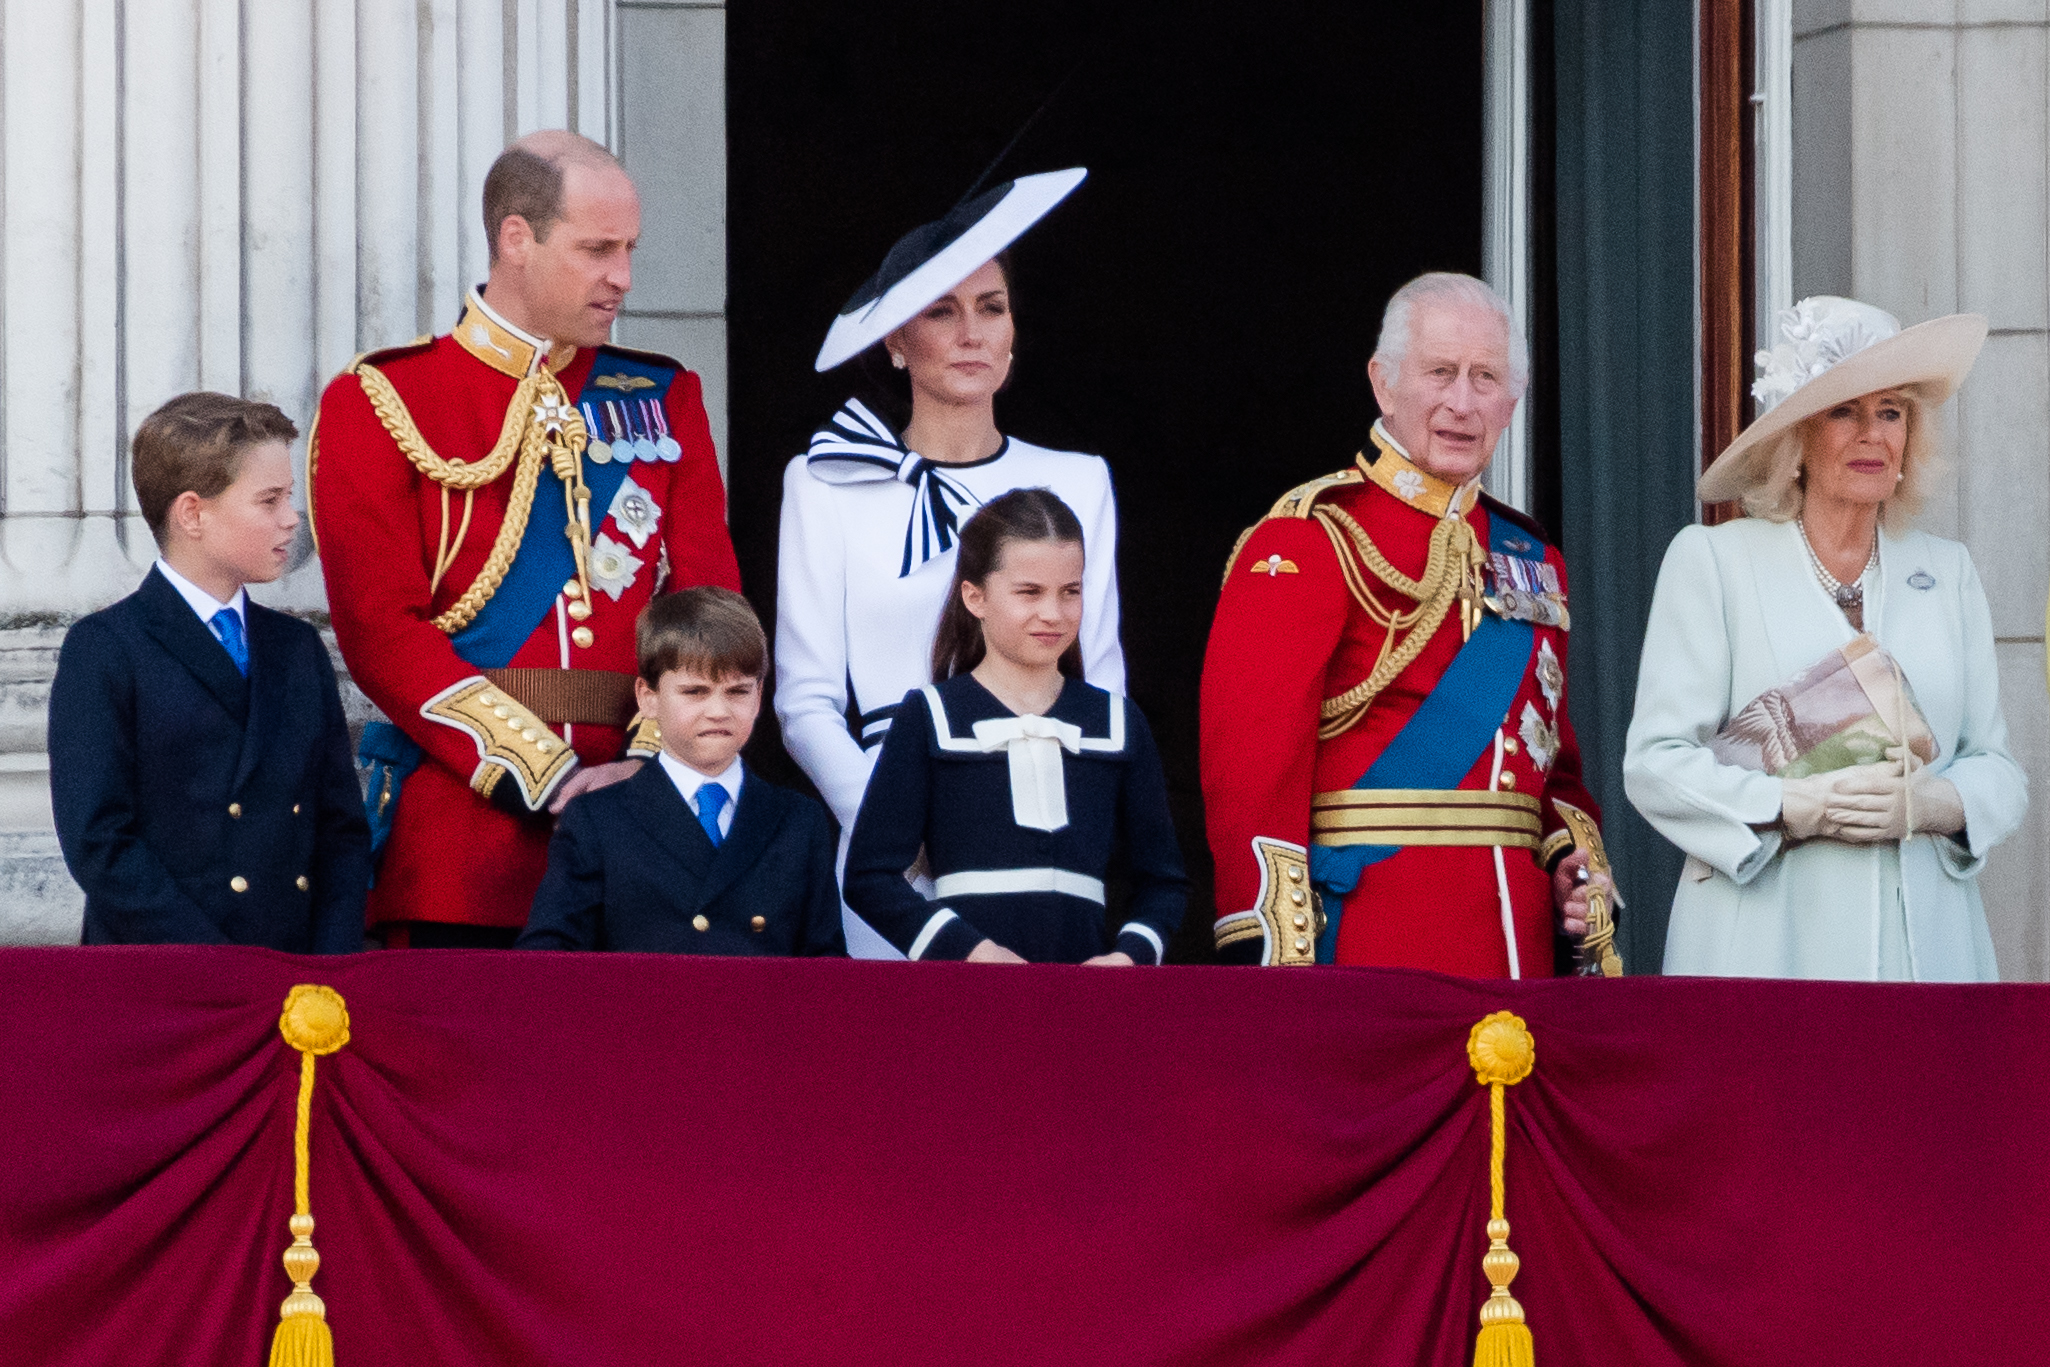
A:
(1011, 780)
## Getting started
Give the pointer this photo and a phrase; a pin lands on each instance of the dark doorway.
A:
(1262, 177)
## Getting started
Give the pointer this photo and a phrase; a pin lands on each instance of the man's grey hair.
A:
(1449, 287)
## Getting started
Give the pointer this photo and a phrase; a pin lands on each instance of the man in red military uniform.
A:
(493, 508)
(1389, 772)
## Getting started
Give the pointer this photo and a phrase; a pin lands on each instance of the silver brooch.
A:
(1922, 579)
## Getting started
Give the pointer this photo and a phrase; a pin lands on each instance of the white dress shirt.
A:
(689, 780)
(202, 602)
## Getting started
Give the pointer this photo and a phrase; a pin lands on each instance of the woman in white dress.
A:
(1868, 871)
(870, 514)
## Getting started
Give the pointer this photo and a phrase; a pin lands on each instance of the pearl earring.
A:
(897, 359)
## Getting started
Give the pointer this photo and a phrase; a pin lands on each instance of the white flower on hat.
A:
(1816, 334)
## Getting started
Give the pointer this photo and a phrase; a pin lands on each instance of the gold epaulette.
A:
(1297, 502)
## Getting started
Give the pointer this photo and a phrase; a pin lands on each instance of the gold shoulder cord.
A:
(1451, 574)
(540, 425)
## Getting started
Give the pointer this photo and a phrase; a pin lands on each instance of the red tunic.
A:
(453, 856)
(1289, 634)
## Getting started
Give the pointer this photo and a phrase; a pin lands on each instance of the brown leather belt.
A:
(588, 697)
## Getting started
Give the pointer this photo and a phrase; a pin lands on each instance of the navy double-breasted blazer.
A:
(631, 869)
(195, 806)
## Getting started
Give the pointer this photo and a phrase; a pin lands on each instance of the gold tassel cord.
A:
(315, 1021)
(1451, 575)
(1502, 1053)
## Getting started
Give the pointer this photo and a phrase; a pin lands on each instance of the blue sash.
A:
(1441, 742)
(525, 596)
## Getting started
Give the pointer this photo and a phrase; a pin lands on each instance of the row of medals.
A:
(645, 449)
(635, 448)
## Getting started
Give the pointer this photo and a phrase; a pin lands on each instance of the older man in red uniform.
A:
(493, 508)
(1389, 771)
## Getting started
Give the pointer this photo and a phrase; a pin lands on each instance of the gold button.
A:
(235, 809)
(1295, 873)
(1508, 745)
(295, 809)
(488, 698)
(1301, 945)
(1295, 895)
(700, 922)
(583, 637)
(579, 610)
(760, 923)
(572, 589)
(1508, 780)
(1301, 920)
(546, 747)
(303, 883)
(239, 883)
(531, 737)
(502, 713)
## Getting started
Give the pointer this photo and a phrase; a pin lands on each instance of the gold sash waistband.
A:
(1425, 816)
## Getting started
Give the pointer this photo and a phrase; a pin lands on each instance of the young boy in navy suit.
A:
(199, 761)
(694, 854)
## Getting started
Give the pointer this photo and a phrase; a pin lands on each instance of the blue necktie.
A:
(228, 627)
(711, 801)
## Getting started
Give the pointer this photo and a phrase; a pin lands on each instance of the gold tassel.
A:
(1502, 1053)
(315, 1021)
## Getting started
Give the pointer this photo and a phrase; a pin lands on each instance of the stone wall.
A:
(242, 197)
(1921, 157)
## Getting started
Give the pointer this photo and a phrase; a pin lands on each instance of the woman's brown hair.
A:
(1020, 515)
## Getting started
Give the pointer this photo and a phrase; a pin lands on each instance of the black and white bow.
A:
(857, 447)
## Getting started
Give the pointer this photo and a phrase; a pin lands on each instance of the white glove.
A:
(1935, 803)
(1863, 804)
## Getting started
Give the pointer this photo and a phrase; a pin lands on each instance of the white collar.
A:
(689, 780)
(202, 602)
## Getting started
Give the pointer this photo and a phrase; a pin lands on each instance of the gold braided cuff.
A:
(644, 739)
(1557, 846)
(511, 740)
(1287, 918)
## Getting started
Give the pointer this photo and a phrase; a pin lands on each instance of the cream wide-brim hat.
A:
(1929, 360)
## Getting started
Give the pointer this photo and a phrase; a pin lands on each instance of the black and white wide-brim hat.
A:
(930, 260)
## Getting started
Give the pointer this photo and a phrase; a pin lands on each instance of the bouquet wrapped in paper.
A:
(1850, 707)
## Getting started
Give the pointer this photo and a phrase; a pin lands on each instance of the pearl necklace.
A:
(1846, 596)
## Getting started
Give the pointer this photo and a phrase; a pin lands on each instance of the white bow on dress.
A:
(1039, 790)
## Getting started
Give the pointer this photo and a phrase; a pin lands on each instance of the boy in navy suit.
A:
(694, 854)
(199, 761)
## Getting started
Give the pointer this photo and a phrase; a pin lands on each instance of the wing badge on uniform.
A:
(1274, 566)
(625, 384)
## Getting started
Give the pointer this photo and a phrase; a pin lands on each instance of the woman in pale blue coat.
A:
(1869, 872)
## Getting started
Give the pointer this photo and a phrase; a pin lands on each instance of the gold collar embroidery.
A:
(1400, 476)
(506, 349)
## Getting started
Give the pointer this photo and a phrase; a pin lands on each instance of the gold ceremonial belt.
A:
(1424, 816)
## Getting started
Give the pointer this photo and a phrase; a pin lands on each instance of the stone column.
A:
(236, 195)
(1921, 156)
(672, 86)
